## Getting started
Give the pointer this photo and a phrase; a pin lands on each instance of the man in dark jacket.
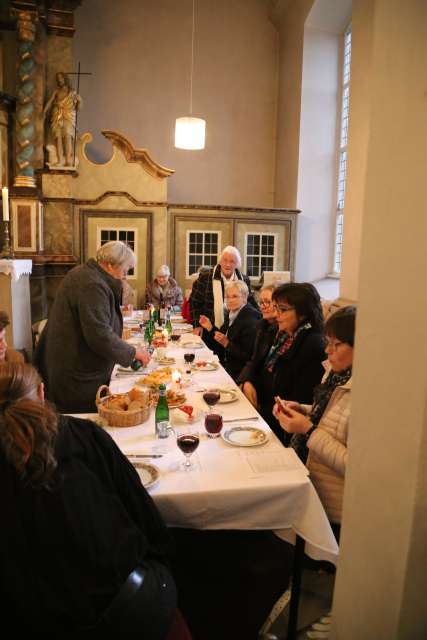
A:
(82, 340)
(207, 294)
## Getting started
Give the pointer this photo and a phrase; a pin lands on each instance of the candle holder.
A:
(7, 249)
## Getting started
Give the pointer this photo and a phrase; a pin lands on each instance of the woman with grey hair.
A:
(236, 335)
(82, 341)
(207, 295)
(164, 289)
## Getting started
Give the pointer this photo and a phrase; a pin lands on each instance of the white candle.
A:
(176, 379)
(5, 201)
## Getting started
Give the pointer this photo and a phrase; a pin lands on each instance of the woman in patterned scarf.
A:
(324, 425)
(293, 364)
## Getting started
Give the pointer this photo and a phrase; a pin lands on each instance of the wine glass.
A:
(175, 337)
(211, 397)
(189, 357)
(213, 420)
(188, 441)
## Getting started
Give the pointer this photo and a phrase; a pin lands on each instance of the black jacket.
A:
(264, 338)
(241, 336)
(82, 342)
(294, 376)
(66, 551)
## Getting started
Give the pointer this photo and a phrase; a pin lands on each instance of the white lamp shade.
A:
(190, 133)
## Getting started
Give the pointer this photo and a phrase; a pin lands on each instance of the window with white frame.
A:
(342, 161)
(202, 250)
(128, 236)
(260, 253)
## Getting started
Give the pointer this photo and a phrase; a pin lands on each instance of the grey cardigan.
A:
(82, 339)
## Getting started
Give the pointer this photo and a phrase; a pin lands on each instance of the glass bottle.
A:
(162, 310)
(136, 364)
(162, 414)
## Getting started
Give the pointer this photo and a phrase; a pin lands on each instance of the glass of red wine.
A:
(175, 337)
(188, 441)
(213, 419)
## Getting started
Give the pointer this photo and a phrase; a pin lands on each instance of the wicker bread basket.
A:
(118, 417)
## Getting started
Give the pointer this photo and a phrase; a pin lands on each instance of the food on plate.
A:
(188, 409)
(159, 376)
(173, 398)
(201, 363)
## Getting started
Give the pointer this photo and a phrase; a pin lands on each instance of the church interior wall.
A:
(140, 61)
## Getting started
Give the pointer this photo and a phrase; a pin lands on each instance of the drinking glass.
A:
(213, 419)
(188, 358)
(187, 440)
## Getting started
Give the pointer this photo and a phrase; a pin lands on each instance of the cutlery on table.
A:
(144, 455)
(239, 419)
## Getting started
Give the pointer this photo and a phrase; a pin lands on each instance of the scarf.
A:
(281, 345)
(218, 295)
(321, 396)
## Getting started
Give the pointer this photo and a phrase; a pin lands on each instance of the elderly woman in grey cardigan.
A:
(82, 340)
(165, 288)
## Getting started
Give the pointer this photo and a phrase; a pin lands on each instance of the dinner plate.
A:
(227, 396)
(149, 473)
(204, 366)
(165, 360)
(180, 417)
(244, 436)
(192, 345)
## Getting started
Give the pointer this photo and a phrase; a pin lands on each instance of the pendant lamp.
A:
(190, 131)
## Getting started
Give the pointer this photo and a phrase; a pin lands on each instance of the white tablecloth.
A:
(264, 487)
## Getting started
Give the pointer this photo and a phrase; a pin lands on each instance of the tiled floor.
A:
(315, 601)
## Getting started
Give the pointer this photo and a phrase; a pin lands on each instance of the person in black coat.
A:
(266, 330)
(207, 293)
(293, 365)
(81, 529)
(236, 335)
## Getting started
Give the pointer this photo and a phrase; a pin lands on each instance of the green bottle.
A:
(168, 327)
(148, 336)
(162, 414)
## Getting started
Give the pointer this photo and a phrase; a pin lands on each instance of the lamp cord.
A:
(192, 64)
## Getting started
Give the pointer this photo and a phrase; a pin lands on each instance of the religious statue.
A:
(63, 105)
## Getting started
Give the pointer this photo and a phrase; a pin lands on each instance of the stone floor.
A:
(316, 601)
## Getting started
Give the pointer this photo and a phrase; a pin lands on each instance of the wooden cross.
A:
(77, 73)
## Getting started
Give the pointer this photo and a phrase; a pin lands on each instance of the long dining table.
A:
(233, 485)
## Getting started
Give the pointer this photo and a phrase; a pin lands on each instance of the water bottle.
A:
(162, 414)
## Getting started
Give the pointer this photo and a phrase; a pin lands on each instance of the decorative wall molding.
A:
(141, 156)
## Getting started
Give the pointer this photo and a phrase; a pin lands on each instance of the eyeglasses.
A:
(233, 297)
(333, 344)
(265, 303)
(282, 308)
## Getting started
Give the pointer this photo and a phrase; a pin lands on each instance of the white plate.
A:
(244, 436)
(165, 361)
(207, 366)
(180, 417)
(149, 473)
(192, 345)
(227, 396)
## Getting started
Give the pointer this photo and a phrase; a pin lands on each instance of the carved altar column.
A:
(26, 112)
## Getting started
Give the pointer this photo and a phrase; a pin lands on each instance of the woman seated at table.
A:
(293, 365)
(83, 547)
(236, 335)
(323, 426)
(164, 288)
(266, 330)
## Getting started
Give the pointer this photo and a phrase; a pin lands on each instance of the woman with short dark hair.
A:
(293, 365)
(83, 547)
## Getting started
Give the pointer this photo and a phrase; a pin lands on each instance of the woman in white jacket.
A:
(324, 424)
